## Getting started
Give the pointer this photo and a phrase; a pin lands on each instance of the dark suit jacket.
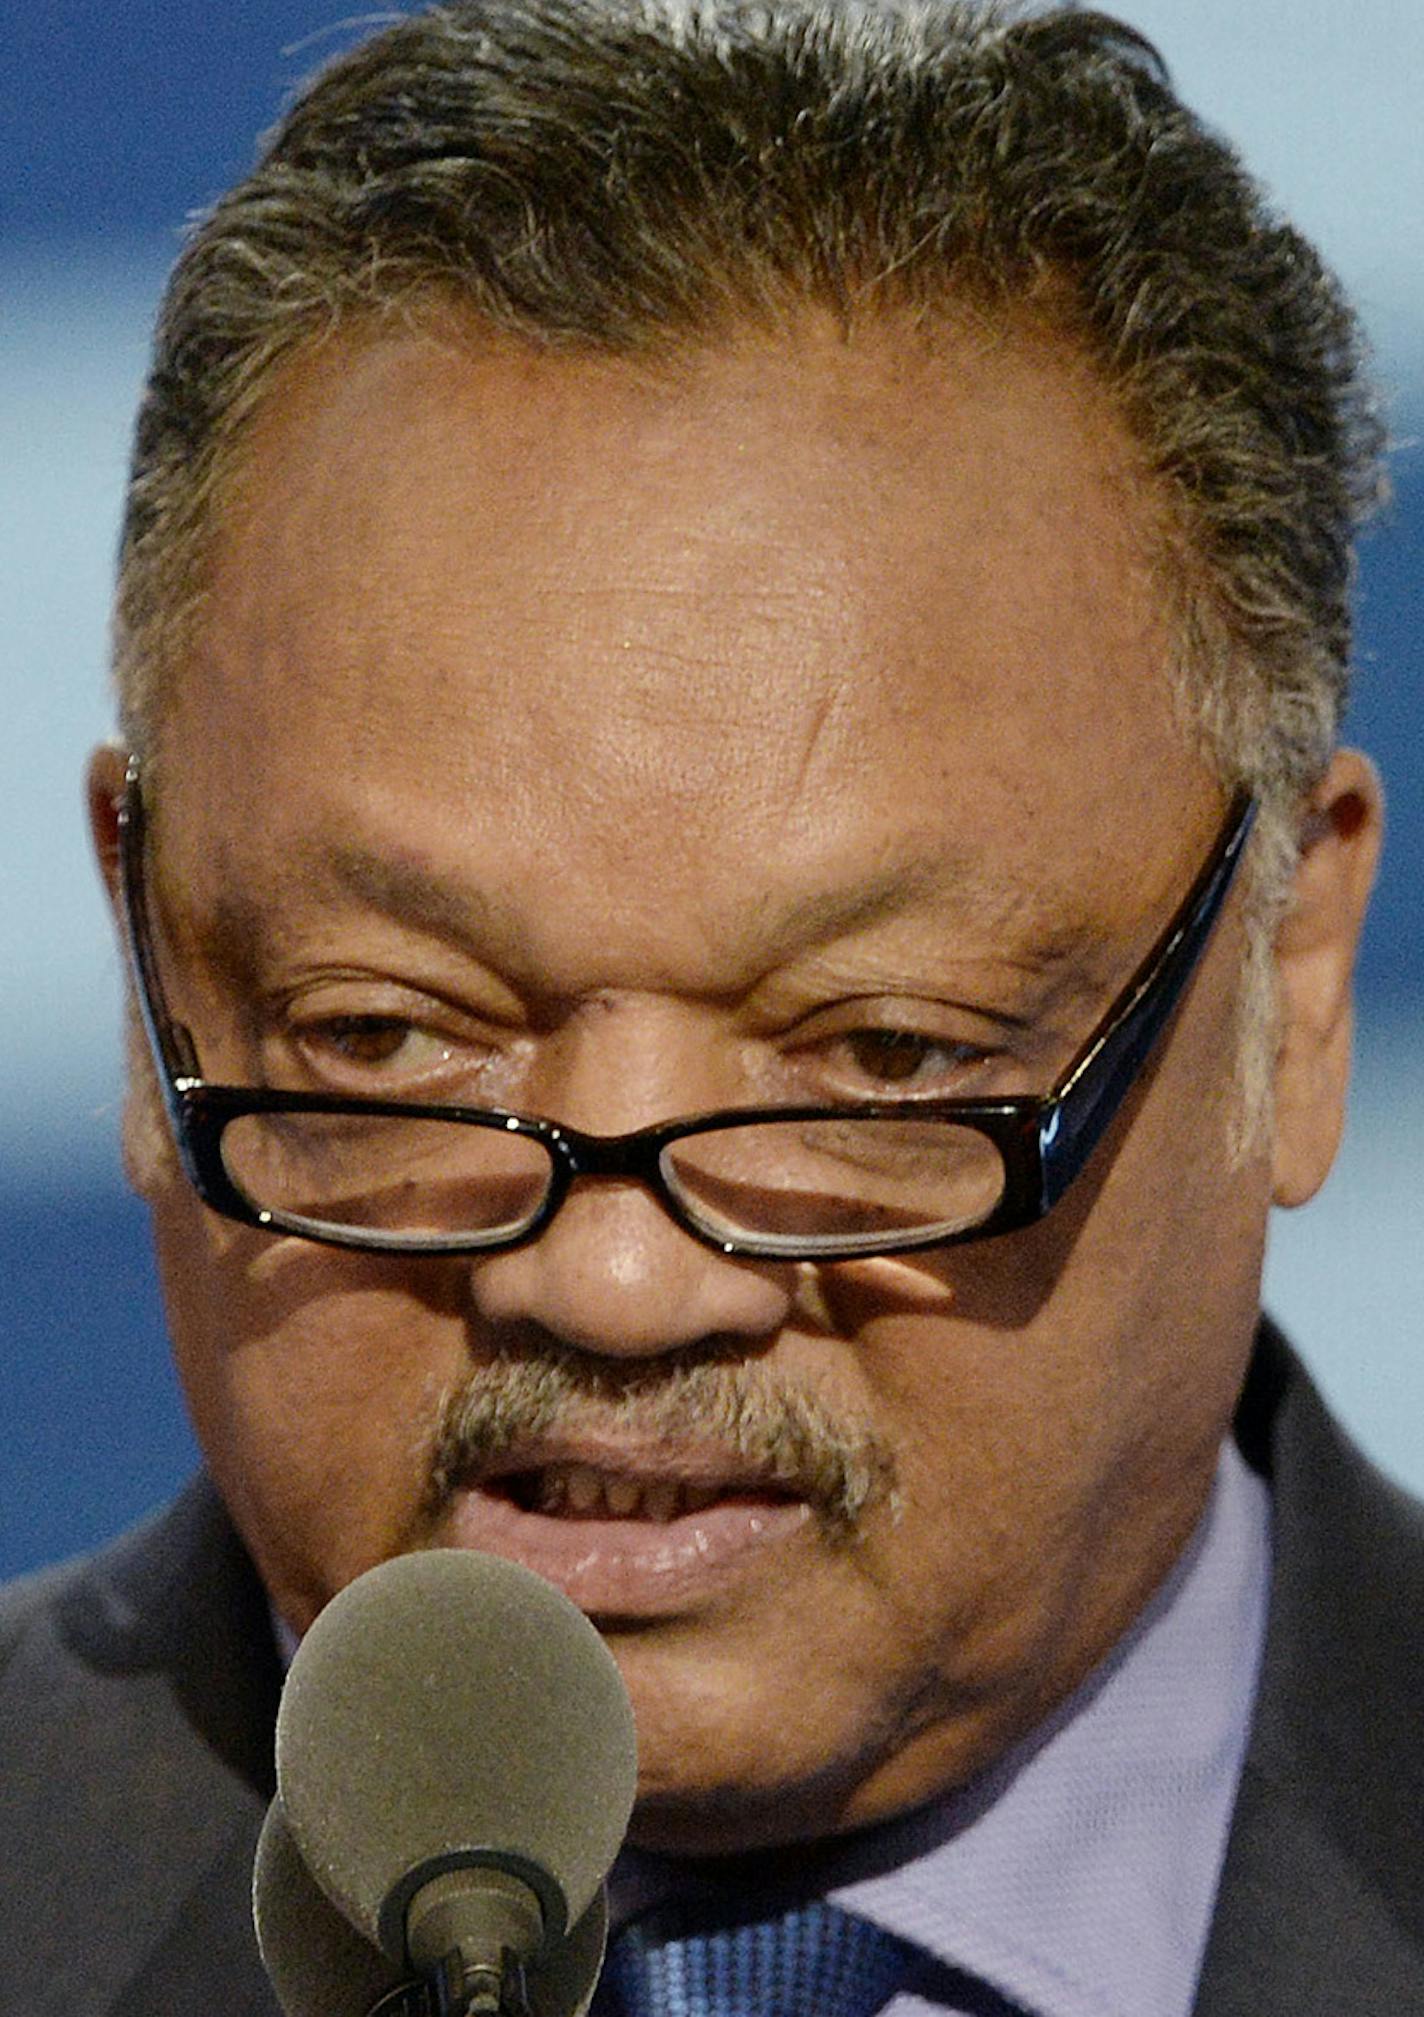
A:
(137, 1691)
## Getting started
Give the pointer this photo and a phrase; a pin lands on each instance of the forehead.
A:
(769, 616)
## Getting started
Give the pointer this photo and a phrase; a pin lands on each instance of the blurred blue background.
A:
(117, 122)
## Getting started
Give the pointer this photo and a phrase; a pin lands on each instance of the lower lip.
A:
(626, 1568)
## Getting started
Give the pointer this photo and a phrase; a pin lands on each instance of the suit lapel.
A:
(138, 1708)
(203, 1956)
(1321, 1907)
(1301, 1929)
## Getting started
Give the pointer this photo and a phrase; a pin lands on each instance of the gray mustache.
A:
(835, 1461)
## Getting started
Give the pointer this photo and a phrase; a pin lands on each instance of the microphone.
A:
(320, 1966)
(456, 1766)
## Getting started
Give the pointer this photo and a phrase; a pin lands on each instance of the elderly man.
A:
(740, 895)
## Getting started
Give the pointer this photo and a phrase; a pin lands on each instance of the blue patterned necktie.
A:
(810, 1961)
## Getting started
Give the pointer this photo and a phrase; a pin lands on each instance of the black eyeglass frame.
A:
(1044, 1140)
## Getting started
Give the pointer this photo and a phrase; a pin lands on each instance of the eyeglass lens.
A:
(845, 1178)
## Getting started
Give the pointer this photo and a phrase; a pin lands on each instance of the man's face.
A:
(790, 724)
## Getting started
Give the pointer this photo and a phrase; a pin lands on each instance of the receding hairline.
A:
(1040, 330)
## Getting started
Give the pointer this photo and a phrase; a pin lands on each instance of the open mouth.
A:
(583, 1491)
(626, 1536)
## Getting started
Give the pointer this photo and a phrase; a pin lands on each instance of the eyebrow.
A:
(237, 927)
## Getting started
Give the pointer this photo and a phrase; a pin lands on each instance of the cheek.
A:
(999, 1468)
(1057, 1424)
(150, 1158)
(314, 1388)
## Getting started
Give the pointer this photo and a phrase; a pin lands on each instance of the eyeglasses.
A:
(799, 1183)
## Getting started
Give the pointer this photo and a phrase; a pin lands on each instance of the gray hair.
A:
(634, 175)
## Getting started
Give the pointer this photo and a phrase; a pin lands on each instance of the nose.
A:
(613, 1274)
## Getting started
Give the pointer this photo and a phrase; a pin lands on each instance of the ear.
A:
(1315, 962)
(104, 786)
(147, 1146)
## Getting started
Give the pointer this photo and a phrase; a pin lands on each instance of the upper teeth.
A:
(586, 1493)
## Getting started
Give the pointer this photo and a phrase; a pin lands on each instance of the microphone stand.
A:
(452, 1990)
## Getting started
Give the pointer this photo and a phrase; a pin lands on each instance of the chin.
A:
(734, 1757)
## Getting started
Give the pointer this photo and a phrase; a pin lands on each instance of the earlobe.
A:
(1315, 962)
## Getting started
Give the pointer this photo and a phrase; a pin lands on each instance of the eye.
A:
(897, 1057)
(376, 1043)
(900, 1055)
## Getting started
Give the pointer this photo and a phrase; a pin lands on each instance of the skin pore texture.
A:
(615, 743)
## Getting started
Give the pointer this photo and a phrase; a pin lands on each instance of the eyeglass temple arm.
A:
(1096, 1084)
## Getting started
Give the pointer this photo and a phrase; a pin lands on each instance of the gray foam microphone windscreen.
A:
(320, 1966)
(449, 1707)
